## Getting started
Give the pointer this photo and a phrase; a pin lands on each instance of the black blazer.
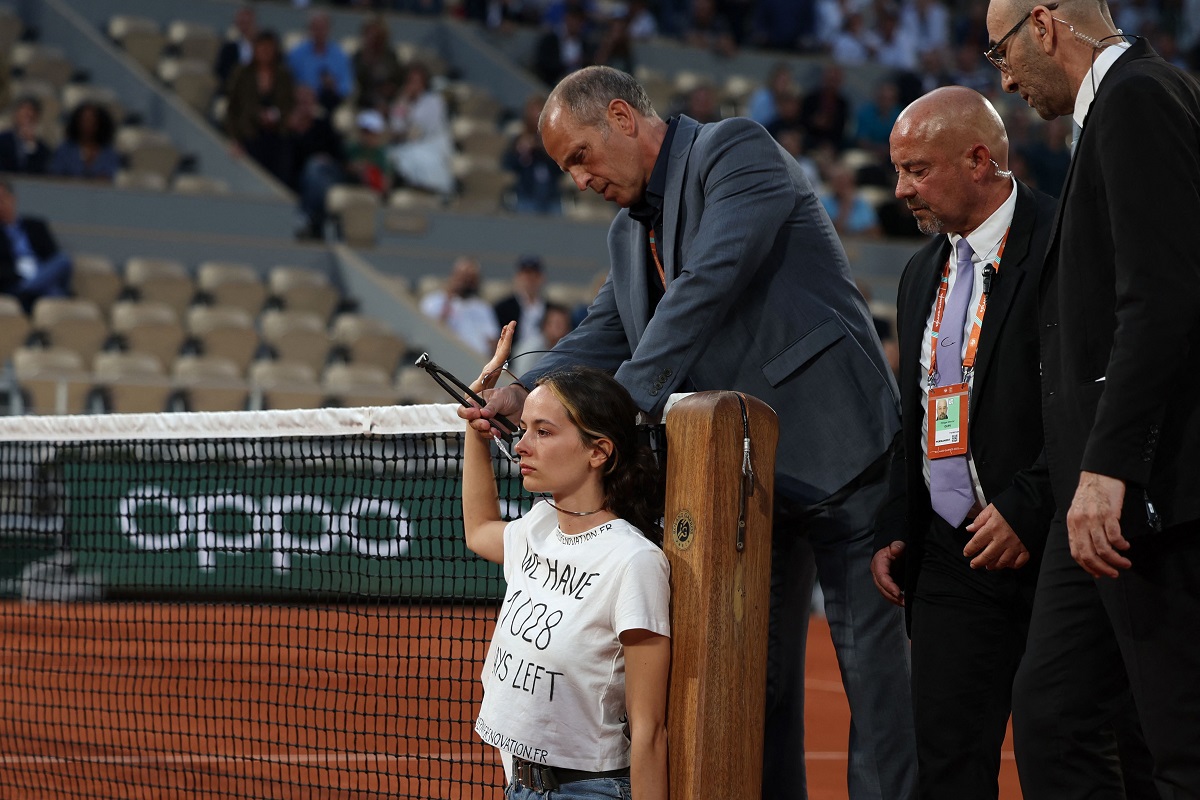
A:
(35, 163)
(1005, 432)
(40, 239)
(1121, 296)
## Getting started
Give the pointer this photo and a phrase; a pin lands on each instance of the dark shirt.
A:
(649, 210)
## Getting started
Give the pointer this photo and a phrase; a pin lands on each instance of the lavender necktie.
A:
(950, 489)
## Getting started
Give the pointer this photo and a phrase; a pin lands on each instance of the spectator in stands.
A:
(788, 116)
(616, 46)
(763, 106)
(642, 22)
(1048, 156)
(565, 48)
(783, 24)
(538, 188)
(526, 305)
(421, 129)
(31, 265)
(238, 51)
(874, 120)
(318, 160)
(320, 63)
(261, 97)
(367, 155)
(87, 151)
(460, 308)
(377, 70)
(825, 112)
(21, 148)
(792, 140)
(894, 47)
(556, 323)
(854, 45)
(927, 23)
(851, 213)
(710, 30)
(701, 104)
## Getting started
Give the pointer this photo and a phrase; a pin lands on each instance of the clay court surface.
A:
(147, 701)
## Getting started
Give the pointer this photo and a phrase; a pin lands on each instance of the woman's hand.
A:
(491, 371)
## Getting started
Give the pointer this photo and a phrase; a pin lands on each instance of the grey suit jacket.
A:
(759, 299)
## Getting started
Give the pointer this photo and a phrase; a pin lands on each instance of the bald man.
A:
(961, 536)
(1118, 604)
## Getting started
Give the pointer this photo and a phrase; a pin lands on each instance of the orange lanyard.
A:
(662, 276)
(939, 308)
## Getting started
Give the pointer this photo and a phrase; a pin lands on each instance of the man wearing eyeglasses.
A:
(1118, 600)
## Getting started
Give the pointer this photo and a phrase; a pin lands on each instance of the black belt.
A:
(543, 778)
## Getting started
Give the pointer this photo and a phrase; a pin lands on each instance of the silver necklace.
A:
(573, 513)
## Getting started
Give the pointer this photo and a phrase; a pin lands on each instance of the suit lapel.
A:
(639, 294)
(681, 146)
(1005, 285)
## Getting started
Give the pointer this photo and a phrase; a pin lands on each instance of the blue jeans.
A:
(833, 541)
(598, 789)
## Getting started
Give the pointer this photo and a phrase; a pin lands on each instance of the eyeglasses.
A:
(1000, 62)
(463, 394)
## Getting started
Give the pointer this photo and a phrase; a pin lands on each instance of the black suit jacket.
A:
(35, 163)
(1121, 296)
(40, 239)
(1005, 433)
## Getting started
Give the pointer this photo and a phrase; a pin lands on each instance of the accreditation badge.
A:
(948, 420)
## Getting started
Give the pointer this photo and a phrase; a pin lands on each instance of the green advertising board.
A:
(321, 531)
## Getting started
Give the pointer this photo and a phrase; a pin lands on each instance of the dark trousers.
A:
(1103, 656)
(833, 541)
(968, 635)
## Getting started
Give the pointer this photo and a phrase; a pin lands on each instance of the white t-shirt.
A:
(554, 676)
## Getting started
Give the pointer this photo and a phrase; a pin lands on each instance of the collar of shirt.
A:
(985, 240)
(1100, 67)
(649, 208)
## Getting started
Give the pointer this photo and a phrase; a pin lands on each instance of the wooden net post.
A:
(719, 591)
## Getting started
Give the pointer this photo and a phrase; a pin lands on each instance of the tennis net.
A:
(262, 604)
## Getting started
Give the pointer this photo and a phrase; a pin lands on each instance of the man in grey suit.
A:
(727, 274)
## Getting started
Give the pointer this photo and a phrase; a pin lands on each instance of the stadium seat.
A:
(483, 190)
(192, 79)
(140, 37)
(282, 384)
(210, 383)
(194, 40)
(471, 102)
(72, 324)
(225, 332)
(148, 150)
(10, 28)
(301, 289)
(42, 62)
(356, 209)
(352, 385)
(297, 336)
(493, 290)
(51, 380)
(161, 280)
(368, 341)
(232, 284)
(430, 283)
(149, 327)
(568, 294)
(14, 327)
(414, 386)
(131, 382)
(94, 278)
(480, 140)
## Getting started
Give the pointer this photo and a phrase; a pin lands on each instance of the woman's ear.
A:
(601, 453)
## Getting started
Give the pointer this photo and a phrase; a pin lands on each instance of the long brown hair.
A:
(601, 408)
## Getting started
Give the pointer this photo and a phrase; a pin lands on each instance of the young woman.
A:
(575, 680)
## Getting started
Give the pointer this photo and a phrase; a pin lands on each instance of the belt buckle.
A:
(534, 776)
